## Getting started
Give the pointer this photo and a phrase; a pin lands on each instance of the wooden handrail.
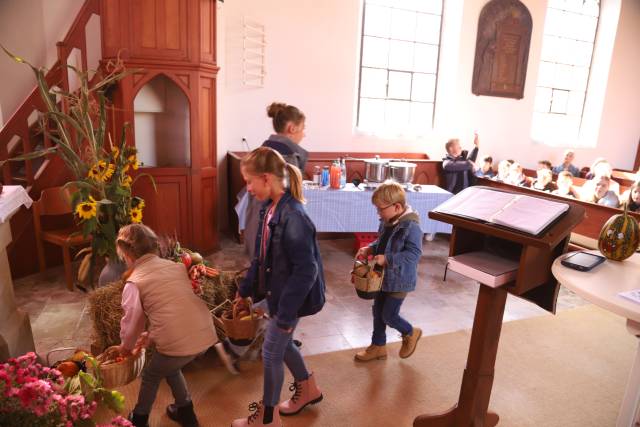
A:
(18, 124)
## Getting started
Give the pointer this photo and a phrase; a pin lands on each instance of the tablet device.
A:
(582, 261)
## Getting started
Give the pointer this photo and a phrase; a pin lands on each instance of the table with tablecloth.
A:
(350, 210)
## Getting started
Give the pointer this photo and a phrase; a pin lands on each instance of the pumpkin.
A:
(619, 236)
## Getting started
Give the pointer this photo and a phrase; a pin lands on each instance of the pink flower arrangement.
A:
(33, 395)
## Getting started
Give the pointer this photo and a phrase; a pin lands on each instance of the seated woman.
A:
(158, 292)
(503, 171)
(601, 193)
(516, 175)
(565, 185)
(544, 180)
(567, 164)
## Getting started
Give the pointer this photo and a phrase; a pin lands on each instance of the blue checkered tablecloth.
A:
(350, 209)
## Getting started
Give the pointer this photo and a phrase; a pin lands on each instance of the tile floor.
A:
(59, 318)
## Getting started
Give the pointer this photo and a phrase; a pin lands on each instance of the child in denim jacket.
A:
(398, 249)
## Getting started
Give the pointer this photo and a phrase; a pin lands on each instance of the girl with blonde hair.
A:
(287, 272)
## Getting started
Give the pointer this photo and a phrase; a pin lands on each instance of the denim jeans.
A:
(386, 311)
(278, 350)
(167, 367)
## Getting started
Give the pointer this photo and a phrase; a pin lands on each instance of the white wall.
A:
(30, 29)
(312, 60)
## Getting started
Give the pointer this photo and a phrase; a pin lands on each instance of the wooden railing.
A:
(22, 134)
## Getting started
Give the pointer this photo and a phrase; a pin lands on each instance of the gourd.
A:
(619, 236)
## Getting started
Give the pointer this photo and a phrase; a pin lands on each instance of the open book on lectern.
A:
(515, 211)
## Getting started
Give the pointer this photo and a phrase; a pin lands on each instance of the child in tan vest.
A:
(158, 291)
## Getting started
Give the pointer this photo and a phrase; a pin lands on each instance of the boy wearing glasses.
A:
(398, 249)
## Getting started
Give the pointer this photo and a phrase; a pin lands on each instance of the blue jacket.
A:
(402, 254)
(291, 273)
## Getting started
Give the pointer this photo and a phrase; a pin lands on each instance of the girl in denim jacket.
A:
(287, 272)
(398, 249)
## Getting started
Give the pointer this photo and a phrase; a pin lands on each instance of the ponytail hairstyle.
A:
(282, 114)
(137, 240)
(266, 160)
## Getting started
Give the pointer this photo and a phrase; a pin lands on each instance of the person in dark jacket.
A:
(287, 271)
(458, 167)
(289, 124)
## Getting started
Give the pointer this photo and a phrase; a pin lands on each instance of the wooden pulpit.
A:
(533, 281)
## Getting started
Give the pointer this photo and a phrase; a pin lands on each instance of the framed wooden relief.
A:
(502, 49)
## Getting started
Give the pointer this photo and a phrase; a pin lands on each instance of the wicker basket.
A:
(237, 329)
(121, 373)
(367, 279)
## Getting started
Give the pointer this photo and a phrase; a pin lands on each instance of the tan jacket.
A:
(179, 321)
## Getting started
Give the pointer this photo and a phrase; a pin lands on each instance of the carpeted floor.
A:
(565, 370)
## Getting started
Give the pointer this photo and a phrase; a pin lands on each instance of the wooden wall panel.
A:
(207, 33)
(166, 210)
(160, 29)
(209, 197)
(207, 120)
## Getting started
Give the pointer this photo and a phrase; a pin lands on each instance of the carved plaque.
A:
(502, 49)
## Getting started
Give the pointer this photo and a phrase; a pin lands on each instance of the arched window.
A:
(399, 66)
(563, 78)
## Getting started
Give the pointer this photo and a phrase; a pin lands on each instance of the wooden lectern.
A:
(533, 282)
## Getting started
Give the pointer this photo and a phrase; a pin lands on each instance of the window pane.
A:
(403, 24)
(559, 99)
(576, 103)
(553, 23)
(397, 115)
(543, 100)
(428, 28)
(371, 114)
(582, 53)
(377, 21)
(563, 78)
(375, 52)
(426, 58)
(546, 74)
(373, 83)
(401, 55)
(584, 28)
(399, 85)
(389, 3)
(421, 116)
(580, 78)
(429, 6)
(424, 87)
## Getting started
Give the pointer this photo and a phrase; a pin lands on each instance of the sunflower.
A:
(126, 181)
(136, 215)
(133, 161)
(87, 210)
(106, 170)
(115, 152)
(94, 173)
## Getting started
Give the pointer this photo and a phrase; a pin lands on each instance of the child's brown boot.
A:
(409, 343)
(258, 418)
(304, 393)
(372, 352)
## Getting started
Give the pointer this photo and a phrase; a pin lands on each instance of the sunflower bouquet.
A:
(77, 122)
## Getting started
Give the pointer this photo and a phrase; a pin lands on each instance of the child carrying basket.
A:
(397, 250)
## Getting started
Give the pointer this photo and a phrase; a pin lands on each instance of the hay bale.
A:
(215, 290)
(106, 311)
